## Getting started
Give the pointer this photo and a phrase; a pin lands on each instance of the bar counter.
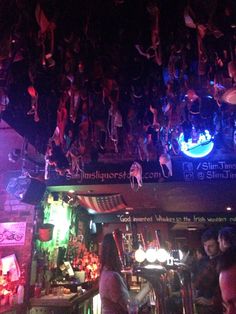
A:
(13, 309)
(66, 303)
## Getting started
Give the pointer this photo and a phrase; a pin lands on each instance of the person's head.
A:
(227, 238)
(109, 254)
(200, 253)
(227, 270)
(210, 242)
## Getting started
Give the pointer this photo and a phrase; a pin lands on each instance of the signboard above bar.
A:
(168, 217)
(183, 170)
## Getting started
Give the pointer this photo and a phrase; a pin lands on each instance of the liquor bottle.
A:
(20, 294)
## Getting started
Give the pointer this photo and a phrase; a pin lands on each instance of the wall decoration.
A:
(197, 147)
(12, 233)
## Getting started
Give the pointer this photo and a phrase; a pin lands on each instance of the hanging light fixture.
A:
(139, 255)
(162, 255)
(151, 255)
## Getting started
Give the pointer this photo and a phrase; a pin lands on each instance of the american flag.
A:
(103, 203)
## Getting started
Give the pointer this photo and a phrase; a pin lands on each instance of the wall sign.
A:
(209, 170)
(12, 233)
(198, 148)
(183, 170)
(170, 217)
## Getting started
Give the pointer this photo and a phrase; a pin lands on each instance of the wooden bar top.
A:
(16, 308)
(65, 300)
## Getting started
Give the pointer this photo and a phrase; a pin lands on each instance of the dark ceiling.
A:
(105, 33)
(96, 31)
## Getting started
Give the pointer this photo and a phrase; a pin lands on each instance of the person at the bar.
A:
(112, 287)
(114, 293)
(227, 238)
(227, 274)
(206, 285)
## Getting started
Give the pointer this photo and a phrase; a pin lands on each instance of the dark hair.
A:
(229, 235)
(201, 250)
(209, 234)
(109, 254)
(227, 259)
(185, 249)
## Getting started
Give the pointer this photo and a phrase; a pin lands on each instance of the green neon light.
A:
(58, 214)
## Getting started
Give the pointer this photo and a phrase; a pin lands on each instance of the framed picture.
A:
(12, 233)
